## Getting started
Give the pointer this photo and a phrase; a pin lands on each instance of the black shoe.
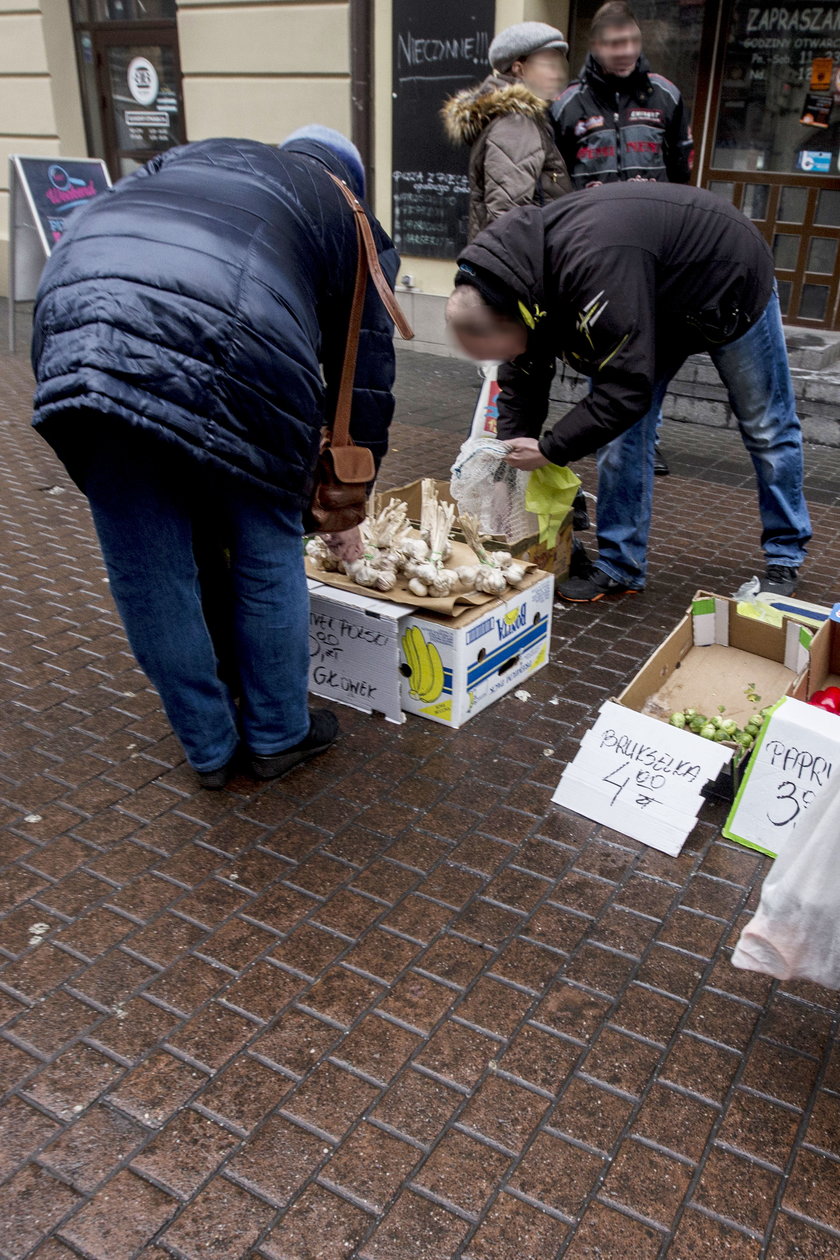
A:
(780, 579)
(323, 732)
(586, 590)
(580, 513)
(660, 464)
(215, 780)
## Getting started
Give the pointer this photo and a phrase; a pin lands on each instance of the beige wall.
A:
(249, 69)
(261, 70)
(40, 106)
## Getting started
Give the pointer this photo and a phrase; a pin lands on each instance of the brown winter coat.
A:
(513, 159)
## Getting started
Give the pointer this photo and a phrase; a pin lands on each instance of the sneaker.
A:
(660, 464)
(323, 732)
(215, 780)
(780, 579)
(594, 586)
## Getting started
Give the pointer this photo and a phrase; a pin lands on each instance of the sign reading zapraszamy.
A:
(439, 48)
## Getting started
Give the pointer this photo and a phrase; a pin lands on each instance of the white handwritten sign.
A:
(797, 756)
(354, 650)
(641, 777)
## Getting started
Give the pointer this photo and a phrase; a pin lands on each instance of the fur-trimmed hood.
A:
(467, 113)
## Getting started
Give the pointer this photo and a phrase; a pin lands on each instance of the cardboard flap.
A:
(354, 465)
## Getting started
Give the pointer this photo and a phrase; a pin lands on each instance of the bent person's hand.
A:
(524, 454)
(346, 545)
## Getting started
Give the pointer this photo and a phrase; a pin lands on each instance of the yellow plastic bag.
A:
(549, 495)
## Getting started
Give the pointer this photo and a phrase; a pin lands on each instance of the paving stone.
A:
(735, 1188)
(415, 1229)
(462, 1171)
(223, 1220)
(319, 1226)
(31, 1203)
(85, 1153)
(126, 1213)
(370, 1166)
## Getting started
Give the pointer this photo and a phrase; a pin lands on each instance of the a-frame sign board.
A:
(44, 196)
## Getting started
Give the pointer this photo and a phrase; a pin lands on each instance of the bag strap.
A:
(367, 262)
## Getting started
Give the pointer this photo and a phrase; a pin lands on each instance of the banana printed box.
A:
(453, 667)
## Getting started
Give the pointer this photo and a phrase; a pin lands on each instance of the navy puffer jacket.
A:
(205, 300)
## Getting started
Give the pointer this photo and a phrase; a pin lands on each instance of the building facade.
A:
(122, 79)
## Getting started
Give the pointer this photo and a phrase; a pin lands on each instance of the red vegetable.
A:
(829, 700)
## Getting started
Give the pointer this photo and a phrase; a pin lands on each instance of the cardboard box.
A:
(388, 658)
(795, 756)
(554, 558)
(708, 661)
(825, 660)
(454, 667)
(354, 650)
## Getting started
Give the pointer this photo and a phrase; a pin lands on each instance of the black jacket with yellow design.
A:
(623, 282)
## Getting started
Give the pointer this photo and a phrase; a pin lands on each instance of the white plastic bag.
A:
(795, 932)
(488, 488)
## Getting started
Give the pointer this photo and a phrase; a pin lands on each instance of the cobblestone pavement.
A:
(397, 1006)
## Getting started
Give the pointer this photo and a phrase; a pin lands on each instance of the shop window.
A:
(85, 11)
(755, 200)
(785, 287)
(785, 251)
(723, 189)
(814, 301)
(828, 209)
(822, 255)
(792, 204)
(775, 111)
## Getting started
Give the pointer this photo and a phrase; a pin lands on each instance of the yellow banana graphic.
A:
(425, 666)
(511, 617)
(436, 684)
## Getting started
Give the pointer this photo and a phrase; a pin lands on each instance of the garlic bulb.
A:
(418, 588)
(491, 581)
(515, 573)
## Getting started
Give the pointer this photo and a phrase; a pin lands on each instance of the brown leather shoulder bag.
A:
(344, 470)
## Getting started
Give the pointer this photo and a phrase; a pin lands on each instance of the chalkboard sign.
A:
(45, 195)
(439, 48)
(56, 189)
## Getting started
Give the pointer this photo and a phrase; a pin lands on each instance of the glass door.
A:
(775, 144)
(139, 83)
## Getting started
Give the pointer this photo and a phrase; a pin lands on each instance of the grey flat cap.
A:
(517, 42)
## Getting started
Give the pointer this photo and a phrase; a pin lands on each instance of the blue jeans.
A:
(151, 507)
(755, 371)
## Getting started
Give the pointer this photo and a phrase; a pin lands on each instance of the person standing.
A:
(625, 283)
(514, 160)
(189, 339)
(621, 121)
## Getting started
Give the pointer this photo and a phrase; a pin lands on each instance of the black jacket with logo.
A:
(609, 128)
(623, 282)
